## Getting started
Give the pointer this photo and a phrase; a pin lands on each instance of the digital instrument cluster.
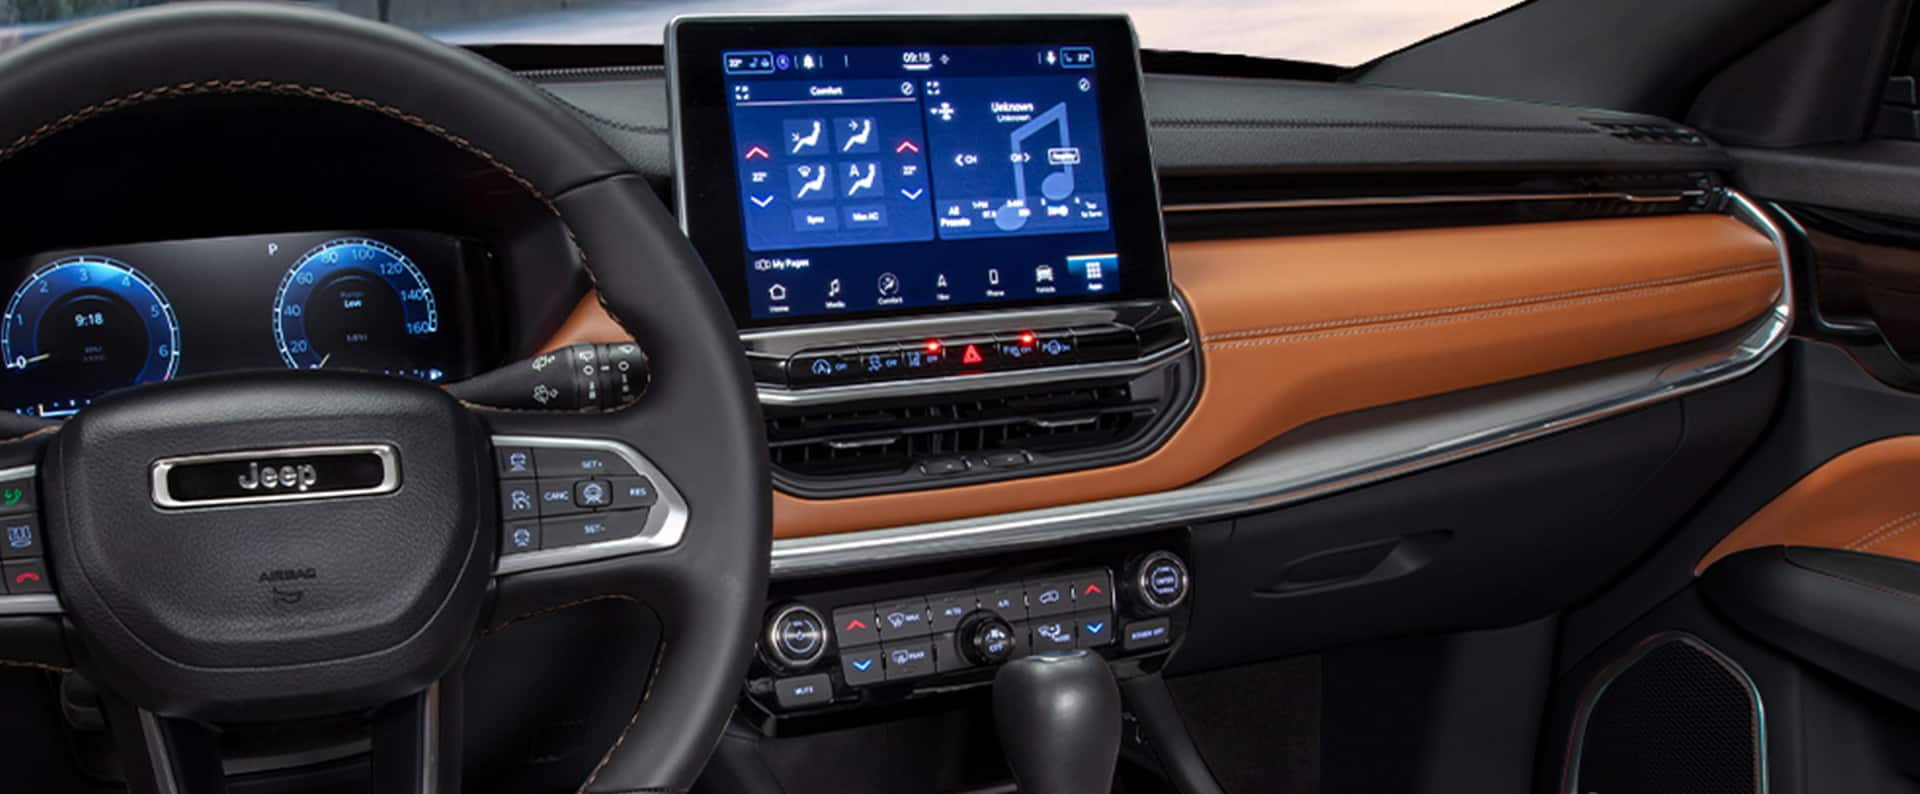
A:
(80, 324)
(851, 168)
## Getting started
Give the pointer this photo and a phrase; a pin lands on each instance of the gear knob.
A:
(1059, 721)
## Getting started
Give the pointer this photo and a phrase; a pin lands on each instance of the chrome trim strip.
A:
(666, 520)
(1529, 416)
(41, 603)
(1431, 199)
(160, 753)
(1576, 739)
(389, 475)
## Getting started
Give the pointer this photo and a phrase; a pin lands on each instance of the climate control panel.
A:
(861, 646)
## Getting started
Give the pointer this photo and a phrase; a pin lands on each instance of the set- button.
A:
(557, 497)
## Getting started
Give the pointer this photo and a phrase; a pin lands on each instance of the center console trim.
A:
(1569, 399)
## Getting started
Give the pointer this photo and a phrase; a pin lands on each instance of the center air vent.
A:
(1656, 132)
(955, 438)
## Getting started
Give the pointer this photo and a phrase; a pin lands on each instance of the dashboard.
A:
(82, 323)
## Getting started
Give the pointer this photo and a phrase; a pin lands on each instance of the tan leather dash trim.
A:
(1862, 500)
(1301, 328)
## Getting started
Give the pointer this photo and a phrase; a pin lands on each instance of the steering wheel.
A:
(174, 604)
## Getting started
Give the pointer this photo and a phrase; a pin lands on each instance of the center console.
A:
(941, 238)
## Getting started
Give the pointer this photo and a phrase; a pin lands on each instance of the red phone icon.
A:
(25, 577)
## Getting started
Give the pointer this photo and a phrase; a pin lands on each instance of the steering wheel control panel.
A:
(566, 500)
(22, 548)
(845, 649)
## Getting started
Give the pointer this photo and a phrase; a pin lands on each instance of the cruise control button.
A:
(629, 492)
(1054, 635)
(862, 666)
(16, 496)
(1144, 634)
(19, 536)
(555, 462)
(555, 498)
(902, 619)
(514, 462)
(1049, 597)
(803, 691)
(854, 625)
(1095, 629)
(948, 610)
(520, 536)
(592, 494)
(556, 533)
(519, 500)
(908, 659)
(26, 577)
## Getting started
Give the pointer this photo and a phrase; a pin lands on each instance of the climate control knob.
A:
(985, 639)
(796, 637)
(1160, 581)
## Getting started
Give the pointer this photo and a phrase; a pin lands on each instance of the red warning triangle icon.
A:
(971, 356)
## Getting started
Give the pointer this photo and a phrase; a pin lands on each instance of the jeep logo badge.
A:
(276, 475)
(300, 478)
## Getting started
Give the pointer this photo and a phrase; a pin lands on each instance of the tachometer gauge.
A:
(90, 324)
(353, 303)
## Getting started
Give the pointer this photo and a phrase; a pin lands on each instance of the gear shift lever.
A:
(1059, 720)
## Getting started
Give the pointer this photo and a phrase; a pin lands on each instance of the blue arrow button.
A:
(1095, 628)
(863, 665)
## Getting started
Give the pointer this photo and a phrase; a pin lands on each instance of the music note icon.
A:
(1057, 185)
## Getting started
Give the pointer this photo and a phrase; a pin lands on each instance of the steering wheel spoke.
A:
(416, 745)
(163, 755)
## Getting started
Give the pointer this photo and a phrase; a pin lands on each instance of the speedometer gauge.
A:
(353, 302)
(91, 324)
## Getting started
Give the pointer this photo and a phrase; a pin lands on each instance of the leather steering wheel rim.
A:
(699, 420)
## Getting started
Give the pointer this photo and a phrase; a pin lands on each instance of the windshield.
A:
(1338, 32)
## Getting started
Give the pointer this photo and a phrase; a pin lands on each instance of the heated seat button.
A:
(803, 691)
(520, 536)
(906, 660)
(862, 666)
(854, 626)
(26, 577)
(581, 530)
(592, 494)
(631, 492)
(19, 536)
(557, 462)
(902, 619)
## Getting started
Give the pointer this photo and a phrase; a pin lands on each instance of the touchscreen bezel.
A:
(705, 176)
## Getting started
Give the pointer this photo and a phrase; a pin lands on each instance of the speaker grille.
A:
(1675, 715)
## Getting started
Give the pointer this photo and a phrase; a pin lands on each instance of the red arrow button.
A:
(855, 623)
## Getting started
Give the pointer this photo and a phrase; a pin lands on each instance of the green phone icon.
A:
(12, 496)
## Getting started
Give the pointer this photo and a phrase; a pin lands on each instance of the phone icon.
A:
(12, 496)
(25, 577)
